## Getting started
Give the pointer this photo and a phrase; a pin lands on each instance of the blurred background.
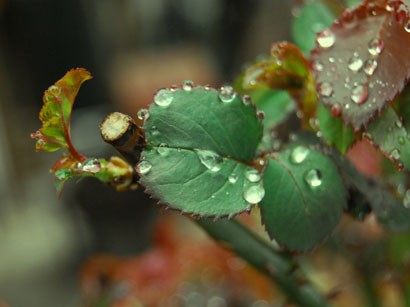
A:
(65, 252)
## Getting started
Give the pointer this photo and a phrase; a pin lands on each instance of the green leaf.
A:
(200, 143)
(313, 18)
(388, 133)
(305, 197)
(56, 112)
(389, 210)
(334, 131)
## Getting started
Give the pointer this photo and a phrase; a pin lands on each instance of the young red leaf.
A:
(361, 62)
(56, 112)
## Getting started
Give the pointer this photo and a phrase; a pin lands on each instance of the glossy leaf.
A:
(360, 62)
(311, 19)
(388, 133)
(334, 131)
(305, 197)
(56, 112)
(199, 145)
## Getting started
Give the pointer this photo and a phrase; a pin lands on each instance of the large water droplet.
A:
(406, 199)
(163, 97)
(395, 154)
(299, 154)
(325, 89)
(375, 46)
(210, 159)
(370, 66)
(144, 167)
(355, 64)
(226, 93)
(253, 175)
(187, 85)
(143, 114)
(253, 194)
(326, 38)
(313, 178)
(360, 94)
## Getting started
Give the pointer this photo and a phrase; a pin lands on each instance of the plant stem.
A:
(278, 266)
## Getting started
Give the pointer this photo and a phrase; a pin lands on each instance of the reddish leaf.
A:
(56, 112)
(361, 62)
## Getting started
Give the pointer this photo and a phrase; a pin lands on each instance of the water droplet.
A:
(187, 85)
(253, 175)
(402, 140)
(162, 149)
(325, 89)
(370, 66)
(92, 166)
(227, 94)
(299, 154)
(210, 159)
(247, 100)
(144, 167)
(398, 123)
(143, 114)
(326, 38)
(389, 7)
(253, 194)
(313, 178)
(317, 65)
(407, 26)
(395, 154)
(375, 46)
(163, 97)
(331, 59)
(260, 114)
(336, 109)
(406, 199)
(233, 178)
(360, 94)
(355, 64)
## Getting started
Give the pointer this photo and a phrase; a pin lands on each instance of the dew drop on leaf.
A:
(260, 114)
(326, 38)
(187, 85)
(313, 178)
(143, 114)
(299, 154)
(253, 194)
(163, 97)
(375, 46)
(210, 159)
(253, 175)
(360, 94)
(402, 141)
(233, 178)
(355, 63)
(398, 123)
(325, 89)
(144, 167)
(395, 154)
(162, 149)
(370, 66)
(406, 199)
(226, 93)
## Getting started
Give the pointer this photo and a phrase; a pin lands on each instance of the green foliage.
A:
(199, 144)
(305, 197)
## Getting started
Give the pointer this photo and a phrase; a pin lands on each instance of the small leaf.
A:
(199, 146)
(313, 18)
(388, 133)
(56, 112)
(305, 197)
(360, 62)
(288, 70)
(334, 131)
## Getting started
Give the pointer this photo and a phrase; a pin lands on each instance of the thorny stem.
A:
(278, 266)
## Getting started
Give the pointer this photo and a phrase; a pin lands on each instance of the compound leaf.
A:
(305, 197)
(199, 145)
